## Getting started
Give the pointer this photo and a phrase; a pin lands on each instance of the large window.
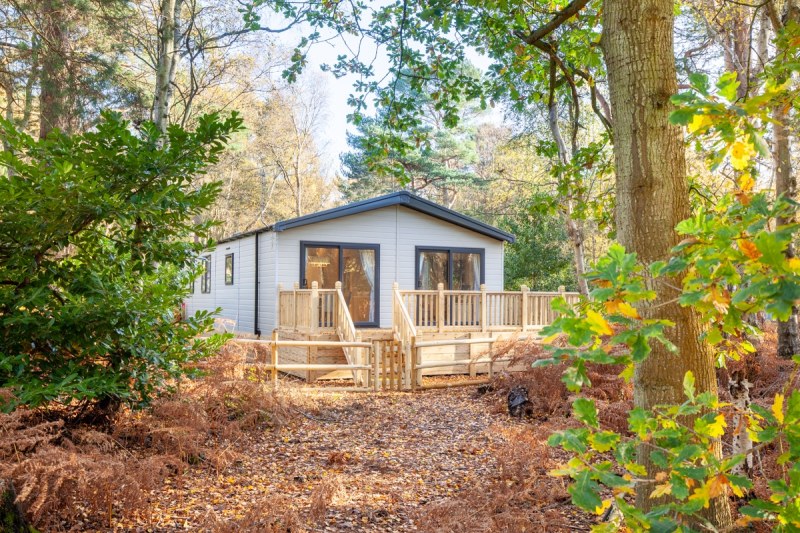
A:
(205, 279)
(355, 265)
(460, 269)
(229, 269)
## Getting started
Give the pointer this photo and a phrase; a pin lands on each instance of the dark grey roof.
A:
(403, 198)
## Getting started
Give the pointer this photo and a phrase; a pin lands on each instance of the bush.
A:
(98, 246)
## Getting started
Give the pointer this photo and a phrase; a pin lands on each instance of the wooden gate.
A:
(390, 365)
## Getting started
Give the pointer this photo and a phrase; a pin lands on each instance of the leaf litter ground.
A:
(428, 461)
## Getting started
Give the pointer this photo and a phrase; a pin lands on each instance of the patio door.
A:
(355, 265)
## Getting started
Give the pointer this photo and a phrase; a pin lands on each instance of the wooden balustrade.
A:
(311, 309)
(405, 332)
(447, 310)
(346, 331)
(439, 310)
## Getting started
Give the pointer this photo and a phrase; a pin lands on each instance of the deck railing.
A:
(312, 309)
(346, 331)
(447, 310)
(316, 310)
(404, 331)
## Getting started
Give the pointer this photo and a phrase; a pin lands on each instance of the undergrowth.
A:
(71, 476)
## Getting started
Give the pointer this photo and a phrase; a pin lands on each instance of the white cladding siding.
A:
(372, 227)
(268, 284)
(235, 301)
(418, 229)
(398, 230)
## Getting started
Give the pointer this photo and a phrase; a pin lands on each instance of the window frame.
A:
(341, 246)
(449, 250)
(225, 269)
(205, 277)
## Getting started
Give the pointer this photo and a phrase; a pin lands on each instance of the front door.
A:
(355, 265)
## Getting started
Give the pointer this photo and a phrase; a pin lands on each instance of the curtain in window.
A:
(476, 271)
(424, 271)
(368, 266)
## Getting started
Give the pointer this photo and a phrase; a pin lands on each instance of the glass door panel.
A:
(466, 271)
(358, 283)
(433, 269)
(322, 266)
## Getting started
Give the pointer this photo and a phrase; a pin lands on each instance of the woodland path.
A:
(362, 462)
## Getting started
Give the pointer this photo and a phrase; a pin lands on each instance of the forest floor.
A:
(226, 453)
(369, 462)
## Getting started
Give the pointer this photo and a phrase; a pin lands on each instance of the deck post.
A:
(524, 319)
(376, 351)
(410, 366)
(361, 360)
(413, 353)
(338, 287)
(295, 288)
(491, 361)
(561, 291)
(484, 309)
(278, 318)
(440, 307)
(274, 358)
(314, 318)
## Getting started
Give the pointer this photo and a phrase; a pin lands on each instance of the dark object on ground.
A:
(518, 403)
(11, 519)
(483, 389)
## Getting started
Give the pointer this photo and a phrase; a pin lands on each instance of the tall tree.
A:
(785, 178)
(62, 59)
(167, 61)
(652, 197)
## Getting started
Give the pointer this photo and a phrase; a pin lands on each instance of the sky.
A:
(331, 137)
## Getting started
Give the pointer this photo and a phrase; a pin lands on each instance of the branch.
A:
(560, 18)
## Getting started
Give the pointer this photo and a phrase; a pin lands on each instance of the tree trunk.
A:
(53, 103)
(652, 197)
(167, 61)
(785, 185)
(574, 229)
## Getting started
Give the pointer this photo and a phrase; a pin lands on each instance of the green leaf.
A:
(728, 85)
(585, 411)
(688, 385)
(585, 492)
(700, 82)
(681, 117)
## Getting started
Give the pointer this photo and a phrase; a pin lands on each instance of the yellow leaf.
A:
(550, 338)
(777, 408)
(741, 153)
(794, 264)
(661, 490)
(600, 509)
(749, 249)
(699, 122)
(701, 493)
(746, 182)
(597, 323)
(628, 310)
(717, 428)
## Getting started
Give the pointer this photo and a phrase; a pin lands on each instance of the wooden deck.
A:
(433, 332)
